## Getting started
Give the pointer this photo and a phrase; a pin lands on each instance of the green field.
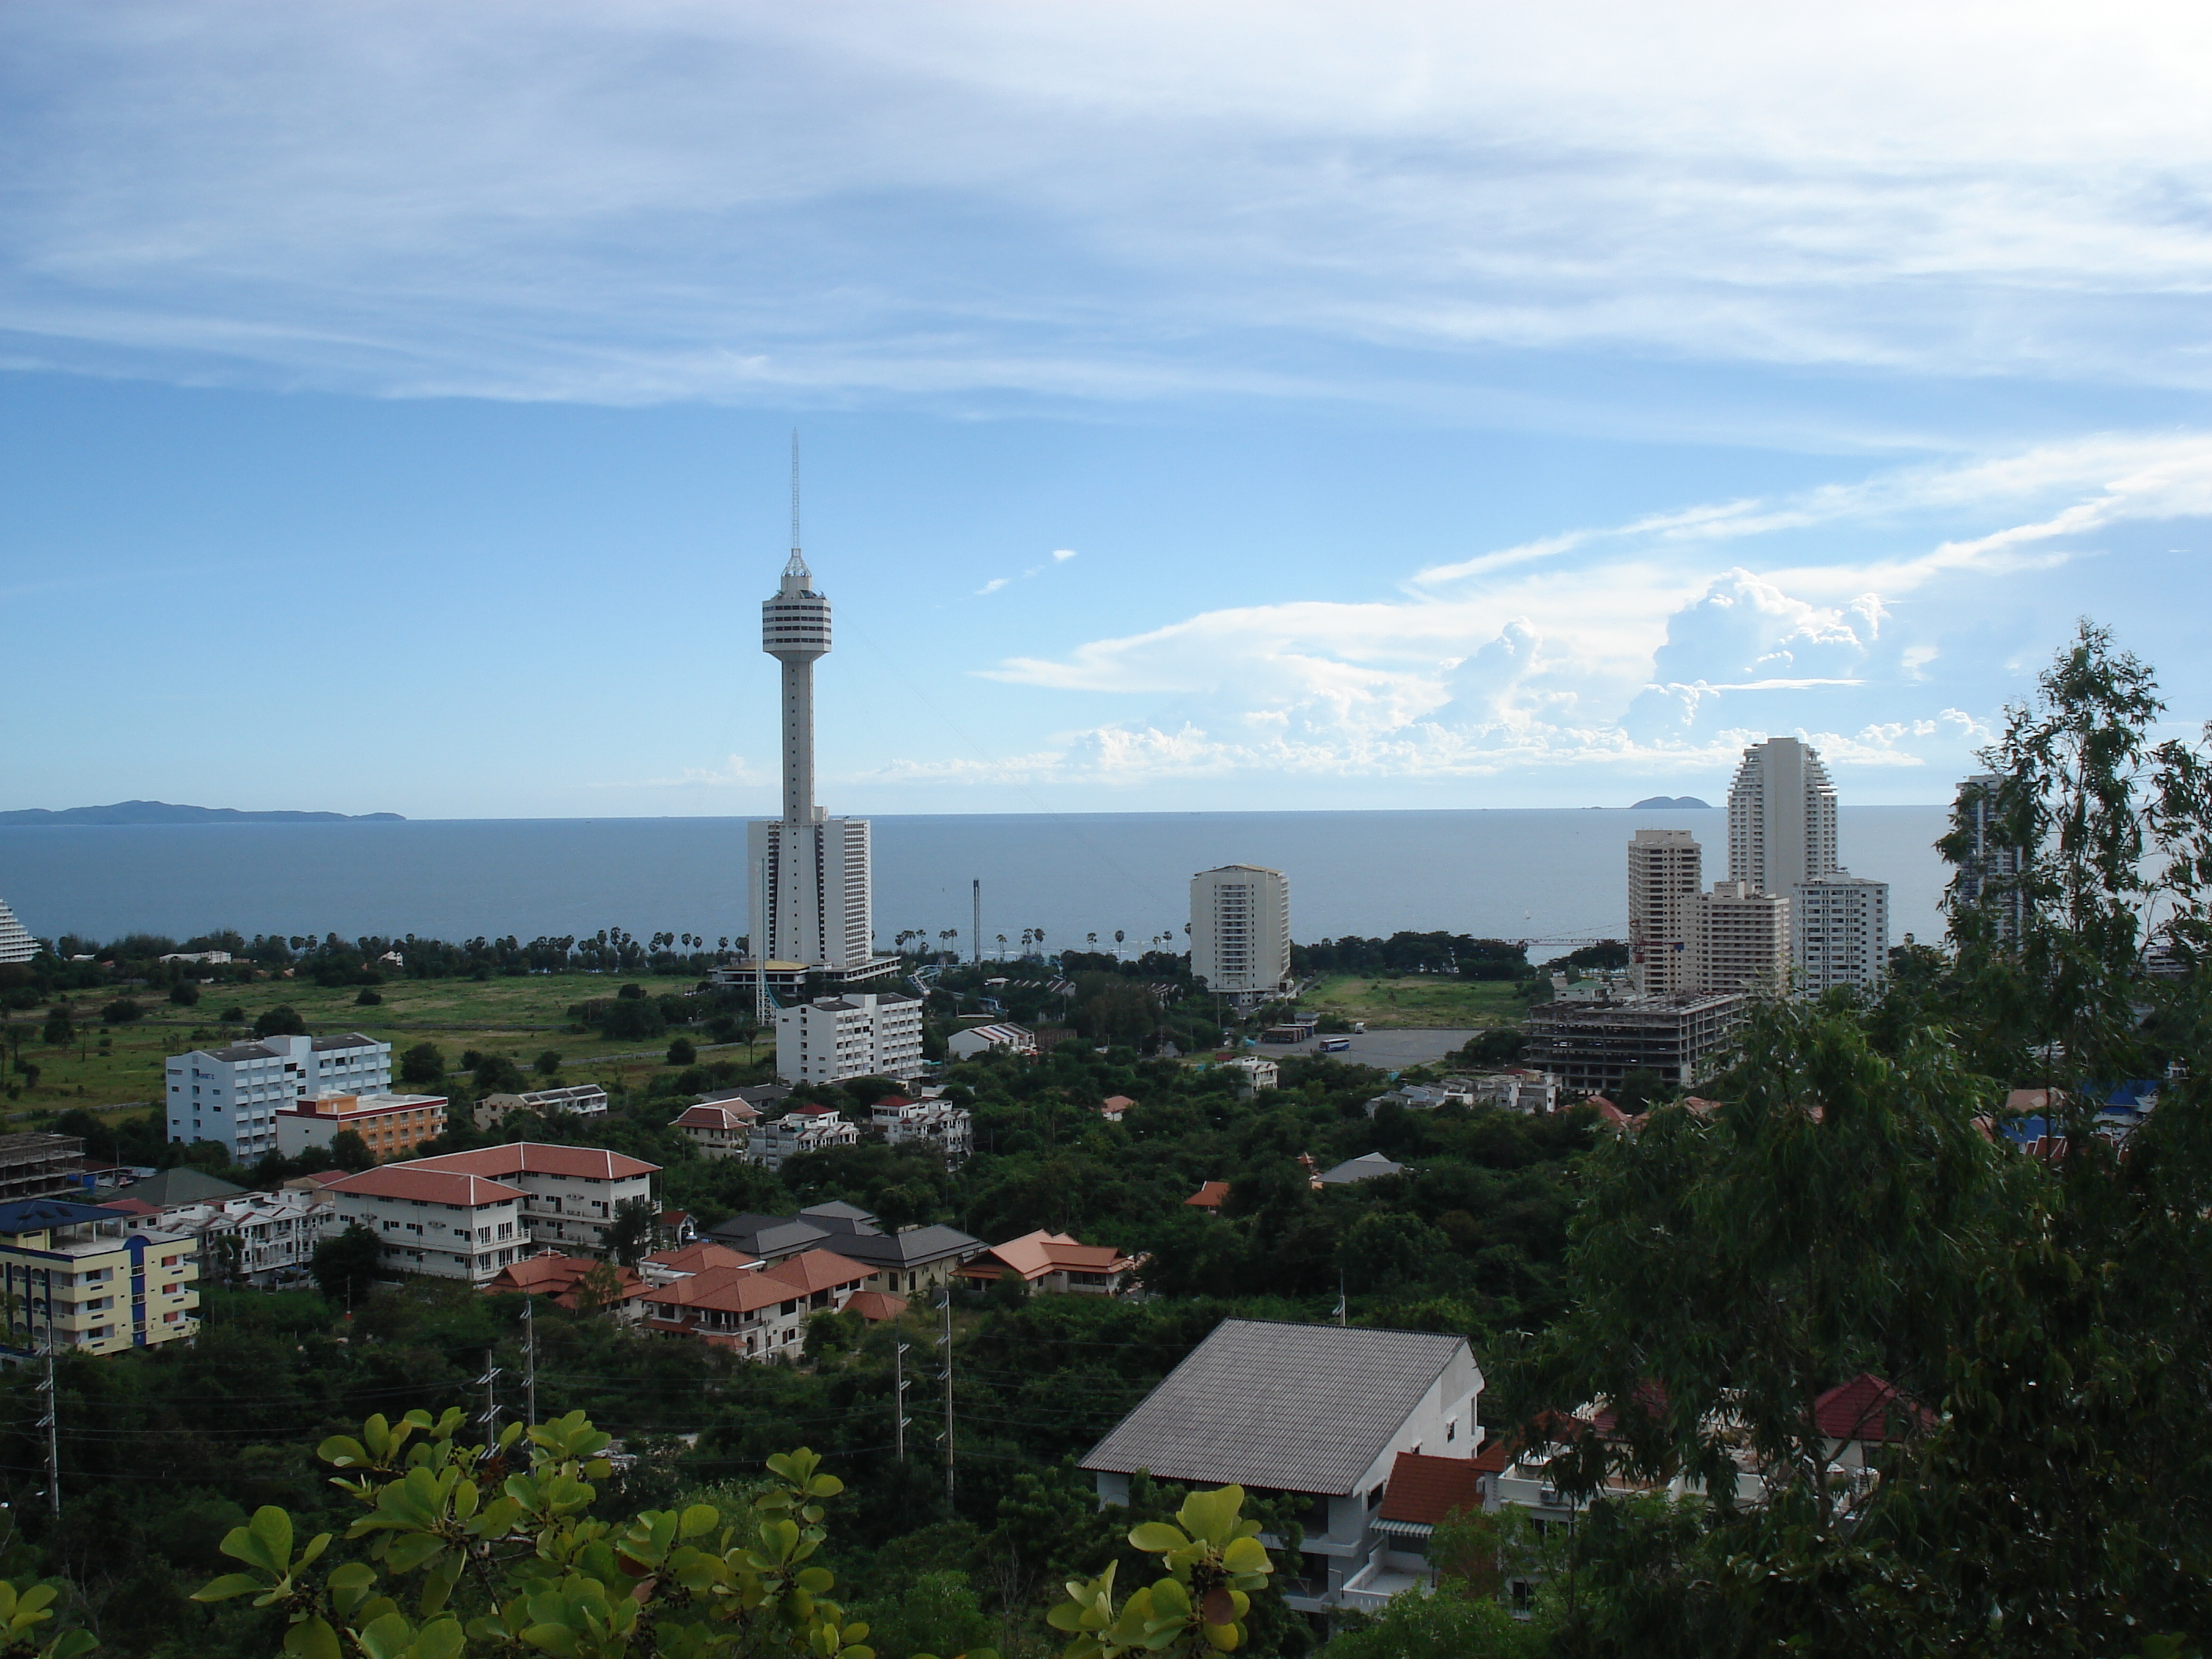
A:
(1420, 1002)
(518, 1018)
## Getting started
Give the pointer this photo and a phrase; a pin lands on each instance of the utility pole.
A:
(945, 1342)
(491, 1415)
(978, 935)
(898, 1394)
(52, 1424)
(530, 1358)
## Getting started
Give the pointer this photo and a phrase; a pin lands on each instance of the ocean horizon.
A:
(1553, 874)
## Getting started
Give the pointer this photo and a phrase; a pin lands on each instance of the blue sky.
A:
(1204, 407)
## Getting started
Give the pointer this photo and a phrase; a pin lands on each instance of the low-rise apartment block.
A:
(576, 1099)
(390, 1126)
(990, 1040)
(465, 1215)
(231, 1096)
(261, 1239)
(861, 1033)
(808, 1129)
(77, 1276)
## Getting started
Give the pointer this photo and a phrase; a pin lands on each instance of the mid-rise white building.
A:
(1738, 938)
(861, 1033)
(1240, 931)
(1839, 927)
(1666, 871)
(1782, 817)
(809, 1129)
(467, 1215)
(16, 944)
(231, 1096)
(950, 1129)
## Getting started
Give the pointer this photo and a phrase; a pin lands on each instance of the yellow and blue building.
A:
(74, 1276)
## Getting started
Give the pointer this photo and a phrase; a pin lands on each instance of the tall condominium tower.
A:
(810, 902)
(1738, 938)
(1782, 841)
(1666, 868)
(1992, 873)
(1240, 930)
(16, 944)
(1782, 817)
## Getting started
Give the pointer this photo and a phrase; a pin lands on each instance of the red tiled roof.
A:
(1034, 1255)
(130, 1207)
(1427, 1490)
(1117, 1103)
(876, 1305)
(1210, 1196)
(537, 1158)
(725, 1290)
(432, 1186)
(1493, 1457)
(893, 1103)
(720, 1115)
(815, 1270)
(698, 1258)
(560, 1277)
(1869, 1408)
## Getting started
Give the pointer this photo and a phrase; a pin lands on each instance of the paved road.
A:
(1387, 1051)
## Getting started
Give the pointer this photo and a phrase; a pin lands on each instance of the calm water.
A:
(1539, 873)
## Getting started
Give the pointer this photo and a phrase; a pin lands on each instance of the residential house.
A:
(176, 1187)
(561, 1278)
(666, 1266)
(442, 1223)
(573, 1192)
(721, 1130)
(1211, 1195)
(760, 1312)
(989, 1039)
(806, 1129)
(1317, 1413)
(1427, 1096)
(1424, 1492)
(261, 1239)
(1114, 1108)
(1047, 1261)
(1518, 1089)
(1370, 1167)
(390, 1126)
(1254, 1073)
(77, 1276)
(949, 1130)
(585, 1100)
(904, 1262)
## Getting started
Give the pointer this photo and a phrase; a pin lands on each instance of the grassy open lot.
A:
(516, 1017)
(1421, 1001)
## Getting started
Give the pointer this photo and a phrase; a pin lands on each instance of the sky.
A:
(1203, 406)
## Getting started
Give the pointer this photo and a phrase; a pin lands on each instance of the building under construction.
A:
(1591, 1046)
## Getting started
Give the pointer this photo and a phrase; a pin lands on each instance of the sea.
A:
(1549, 875)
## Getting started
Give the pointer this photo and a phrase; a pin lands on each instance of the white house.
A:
(1318, 1413)
(721, 1129)
(260, 1238)
(861, 1033)
(1254, 1072)
(809, 1129)
(231, 1096)
(949, 1129)
(1519, 1089)
(987, 1039)
(449, 1211)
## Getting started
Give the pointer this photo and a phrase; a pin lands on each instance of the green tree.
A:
(423, 1063)
(350, 1151)
(682, 1052)
(630, 1231)
(345, 1265)
(280, 1021)
(122, 1010)
(185, 993)
(548, 1063)
(368, 997)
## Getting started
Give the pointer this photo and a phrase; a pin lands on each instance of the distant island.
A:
(160, 811)
(1660, 803)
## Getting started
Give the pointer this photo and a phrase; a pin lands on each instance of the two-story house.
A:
(760, 1312)
(903, 1261)
(1315, 1413)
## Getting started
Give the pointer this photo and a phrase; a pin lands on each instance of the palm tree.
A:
(1002, 947)
(1118, 937)
(1093, 938)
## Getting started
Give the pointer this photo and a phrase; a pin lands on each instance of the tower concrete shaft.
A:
(795, 631)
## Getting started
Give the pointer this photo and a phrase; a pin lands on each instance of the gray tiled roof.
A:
(768, 1236)
(1364, 1168)
(917, 1246)
(1302, 1408)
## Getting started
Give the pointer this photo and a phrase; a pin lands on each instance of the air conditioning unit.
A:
(1551, 1495)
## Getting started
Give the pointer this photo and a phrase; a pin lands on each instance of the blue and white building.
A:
(232, 1095)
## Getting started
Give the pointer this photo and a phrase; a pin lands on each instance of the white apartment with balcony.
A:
(16, 944)
(465, 1215)
(1240, 931)
(809, 1129)
(950, 1130)
(232, 1095)
(861, 1033)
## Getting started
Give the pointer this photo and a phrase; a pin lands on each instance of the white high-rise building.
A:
(1666, 869)
(1782, 817)
(810, 904)
(16, 944)
(1839, 929)
(1240, 930)
(1781, 840)
(1991, 872)
(1739, 939)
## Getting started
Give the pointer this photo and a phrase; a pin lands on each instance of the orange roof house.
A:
(756, 1311)
(1210, 1196)
(1053, 1261)
(664, 1265)
(876, 1306)
(1114, 1106)
(562, 1278)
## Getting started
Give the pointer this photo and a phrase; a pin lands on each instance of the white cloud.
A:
(570, 200)
(1624, 647)
(733, 773)
(1062, 554)
(994, 585)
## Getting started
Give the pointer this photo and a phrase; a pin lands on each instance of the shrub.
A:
(280, 1021)
(682, 1053)
(367, 999)
(185, 993)
(122, 1010)
(232, 1017)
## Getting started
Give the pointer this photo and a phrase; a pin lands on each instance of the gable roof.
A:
(413, 1180)
(725, 1290)
(876, 1306)
(518, 1157)
(1210, 1196)
(560, 1277)
(917, 1246)
(1427, 1490)
(1870, 1407)
(697, 1258)
(183, 1185)
(768, 1235)
(1304, 1408)
(1364, 1168)
(1034, 1255)
(720, 1115)
(817, 1270)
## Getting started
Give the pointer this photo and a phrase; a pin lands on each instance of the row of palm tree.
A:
(917, 939)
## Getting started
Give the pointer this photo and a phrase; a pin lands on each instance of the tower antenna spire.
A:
(798, 561)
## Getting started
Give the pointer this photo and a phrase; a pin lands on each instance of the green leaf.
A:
(312, 1639)
(700, 1519)
(1157, 1538)
(1213, 1515)
(230, 1584)
(1246, 1555)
